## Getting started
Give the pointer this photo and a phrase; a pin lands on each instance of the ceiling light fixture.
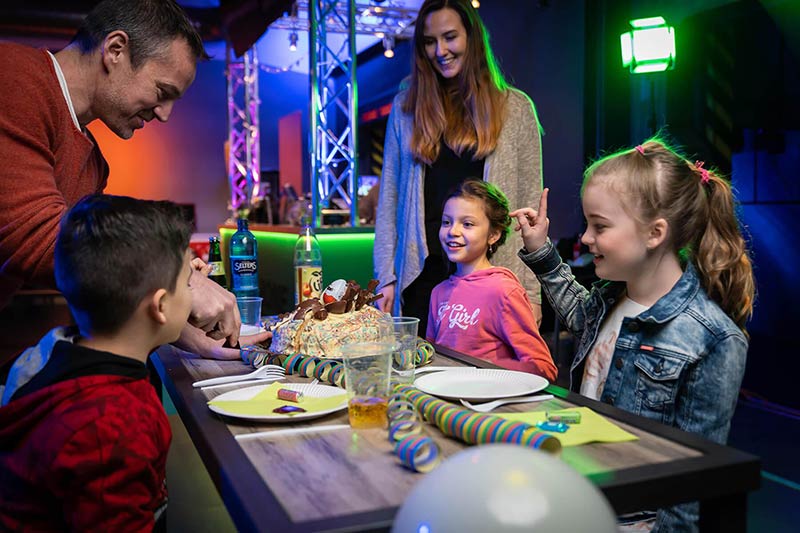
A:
(293, 41)
(649, 46)
(388, 46)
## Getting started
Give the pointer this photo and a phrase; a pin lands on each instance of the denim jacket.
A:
(680, 362)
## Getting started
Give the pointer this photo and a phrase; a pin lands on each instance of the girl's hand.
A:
(386, 303)
(533, 224)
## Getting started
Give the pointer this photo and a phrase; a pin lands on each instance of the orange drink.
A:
(367, 366)
(367, 412)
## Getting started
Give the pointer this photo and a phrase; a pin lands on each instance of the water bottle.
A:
(217, 273)
(307, 266)
(244, 261)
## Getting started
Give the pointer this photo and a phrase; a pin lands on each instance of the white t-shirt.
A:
(65, 90)
(597, 362)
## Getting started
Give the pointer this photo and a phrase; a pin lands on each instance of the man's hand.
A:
(196, 341)
(199, 266)
(214, 310)
(533, 224)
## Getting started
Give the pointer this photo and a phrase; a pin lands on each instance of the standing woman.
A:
(457, 119)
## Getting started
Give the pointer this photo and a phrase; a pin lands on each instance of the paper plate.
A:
(479, 384)
(264, 412)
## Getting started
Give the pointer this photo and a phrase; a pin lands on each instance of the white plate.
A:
(319, 390)
(479, 384)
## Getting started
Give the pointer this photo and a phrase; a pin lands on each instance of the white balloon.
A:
(498, 488)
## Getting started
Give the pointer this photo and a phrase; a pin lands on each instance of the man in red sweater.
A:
(128, 64)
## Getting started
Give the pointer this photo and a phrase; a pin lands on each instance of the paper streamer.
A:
(425, 353)
(400, 429)
(415, 451)
(418, 453)
(326, 370)
(477, 428)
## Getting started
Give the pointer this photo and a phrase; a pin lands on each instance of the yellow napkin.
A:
(593, 427)
(265, 401)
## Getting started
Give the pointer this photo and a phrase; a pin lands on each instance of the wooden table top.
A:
(351, 479)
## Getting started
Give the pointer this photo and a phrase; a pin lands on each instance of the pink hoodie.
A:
(487, 315)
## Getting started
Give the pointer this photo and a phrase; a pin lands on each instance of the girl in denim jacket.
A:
(662, 334)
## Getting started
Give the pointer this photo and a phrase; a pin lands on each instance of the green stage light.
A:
(649, 46)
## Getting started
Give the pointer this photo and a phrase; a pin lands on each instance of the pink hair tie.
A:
(703, 172)
(640, 149)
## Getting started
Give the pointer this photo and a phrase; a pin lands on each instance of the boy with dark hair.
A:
(83, 436)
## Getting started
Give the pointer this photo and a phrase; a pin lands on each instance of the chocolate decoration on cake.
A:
(320, 329)
(304, 307)
(339, 307)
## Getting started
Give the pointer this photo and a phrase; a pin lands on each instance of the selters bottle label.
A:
(309, 283)
(245, 276)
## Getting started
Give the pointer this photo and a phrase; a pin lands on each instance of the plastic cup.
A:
(405, 350)
(250, 310)
(367, 366)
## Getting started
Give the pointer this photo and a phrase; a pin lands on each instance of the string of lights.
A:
(300, 63)
(388, 18)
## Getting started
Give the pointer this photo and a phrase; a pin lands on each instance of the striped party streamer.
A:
(403, 419)
(477, 428)
(400, 429)
(418, 453)
(425, 353)
(326, 370)
(415, 451)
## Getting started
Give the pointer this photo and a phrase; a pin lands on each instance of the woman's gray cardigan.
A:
(515, 167)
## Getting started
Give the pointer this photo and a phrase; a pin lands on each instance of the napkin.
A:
(593, 427)
(265, 401)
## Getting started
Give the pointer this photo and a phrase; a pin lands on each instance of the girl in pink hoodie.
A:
(483, 310)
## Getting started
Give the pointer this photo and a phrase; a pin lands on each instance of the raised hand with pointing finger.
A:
(533, 224)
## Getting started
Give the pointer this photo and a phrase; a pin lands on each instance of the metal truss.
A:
(244, 152)
(334, 108)
(389, 18)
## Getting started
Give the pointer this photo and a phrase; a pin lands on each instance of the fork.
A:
(488, 406)
(312, 386)
(266, 372)
(423, 369)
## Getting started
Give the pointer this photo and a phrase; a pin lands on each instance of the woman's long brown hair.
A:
(466, 114)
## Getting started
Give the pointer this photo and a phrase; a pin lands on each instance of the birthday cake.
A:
(321, 326)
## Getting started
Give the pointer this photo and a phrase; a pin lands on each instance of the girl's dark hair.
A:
(151, 26)
(112, 251)
(699, 206)
(468, 115)
(495, 205)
